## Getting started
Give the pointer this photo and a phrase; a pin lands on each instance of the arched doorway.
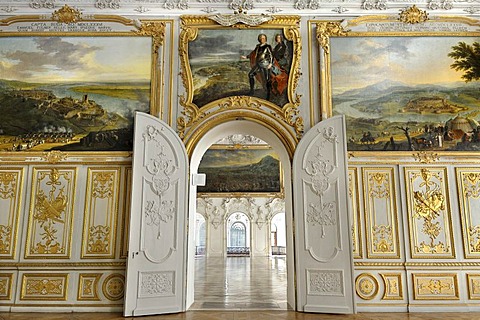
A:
(278, 234)
(160, 265)
(238, 235)
(244, 127)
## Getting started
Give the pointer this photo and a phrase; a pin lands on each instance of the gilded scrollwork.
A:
(154, 29)
(383, 239)
(53, 287)
(194, 119)
(113, 287)
(327, 29)
(429, 213)
(427, 206)
(381, 213)
(366, 286)
(435, 286)
(100, 213)
(468, 182)
(51, 213)
(67, 14)
(413, 15)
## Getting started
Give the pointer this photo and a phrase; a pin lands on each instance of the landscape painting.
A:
(234, 62)
(72, 93)
(407, 93)
(251, 170)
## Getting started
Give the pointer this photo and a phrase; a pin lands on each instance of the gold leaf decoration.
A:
(67, 15)
(413, 15)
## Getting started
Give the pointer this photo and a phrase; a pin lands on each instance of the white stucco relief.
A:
(321, 166)
(160, 208)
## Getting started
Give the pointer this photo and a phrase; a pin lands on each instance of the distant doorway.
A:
(278, 235)
(238, 235)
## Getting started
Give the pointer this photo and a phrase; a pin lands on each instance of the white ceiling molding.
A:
(315, 8)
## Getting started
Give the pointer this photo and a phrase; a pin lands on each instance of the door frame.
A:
(216, 133)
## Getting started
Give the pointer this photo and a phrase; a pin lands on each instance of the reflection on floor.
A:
(240, 283)
(241, 288)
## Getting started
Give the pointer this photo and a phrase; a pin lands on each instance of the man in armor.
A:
(261, 60)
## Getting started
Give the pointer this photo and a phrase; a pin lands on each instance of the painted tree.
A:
(467, 59)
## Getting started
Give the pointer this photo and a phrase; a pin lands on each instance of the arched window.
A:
(238, 235)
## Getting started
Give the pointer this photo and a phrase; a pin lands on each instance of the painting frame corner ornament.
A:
(400, 102)
(221, 74)
(76, 82)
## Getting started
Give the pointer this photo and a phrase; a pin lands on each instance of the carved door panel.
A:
(156, 266)
(322, 230)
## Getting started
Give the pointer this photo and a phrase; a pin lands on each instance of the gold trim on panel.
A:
(432, 286)
(125, 226)
(6, 286)
(366, 286)
(50, 221)
(428, 213)
(101, 213)
(244, 111)
(11, 189)
(44, 286)
(473, 286)
(380, 208)
(88, 286)
(468, 191)
(76, 265)
(356, 228)
(393, 286)
(113, 287)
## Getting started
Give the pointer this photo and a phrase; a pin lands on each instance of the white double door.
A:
(158, 255)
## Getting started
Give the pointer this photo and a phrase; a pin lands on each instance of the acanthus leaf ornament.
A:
(413, 15)
(228, 20)
(67, 15)
(327, 29)
(154, 29)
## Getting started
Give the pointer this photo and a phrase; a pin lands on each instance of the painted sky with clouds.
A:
(357, 62)
(228, 157)
(75, 59)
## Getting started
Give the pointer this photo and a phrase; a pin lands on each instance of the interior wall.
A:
(260, 212)
(394, 271)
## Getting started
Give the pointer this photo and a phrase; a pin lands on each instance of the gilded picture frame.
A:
(245, 171)
(218, 70)
(409, 93)
(73, 84)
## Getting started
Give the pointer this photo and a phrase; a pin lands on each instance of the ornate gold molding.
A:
(327, 29)
(426, 157)
(413, 15)
(366, 286)
(54, 156)
(154, 29)
(67, 15)
(194, 117)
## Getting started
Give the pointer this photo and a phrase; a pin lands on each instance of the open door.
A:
(156, 264)
(322, 230)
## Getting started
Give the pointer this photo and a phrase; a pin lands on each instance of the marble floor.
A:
(240, 283)
(240, 288)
